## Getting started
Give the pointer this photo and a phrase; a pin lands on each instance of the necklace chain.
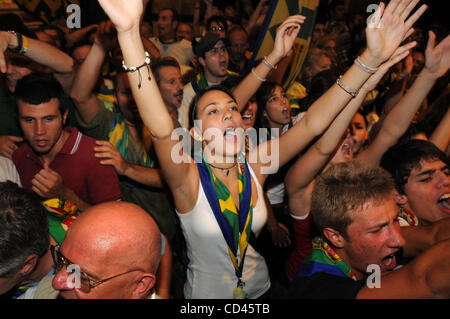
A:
(224, 168)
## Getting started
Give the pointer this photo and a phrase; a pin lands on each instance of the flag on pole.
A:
(278, 11)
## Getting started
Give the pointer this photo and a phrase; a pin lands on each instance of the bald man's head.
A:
(120, 232)
(109, 239)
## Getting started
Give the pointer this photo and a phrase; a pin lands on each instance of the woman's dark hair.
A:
(263, 94)
(193, 106)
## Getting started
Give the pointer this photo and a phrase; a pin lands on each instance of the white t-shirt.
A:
(210, 272)
(8, 171)
(181, 50)
(276, 193)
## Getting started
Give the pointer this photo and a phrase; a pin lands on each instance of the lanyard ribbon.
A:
(235, 226)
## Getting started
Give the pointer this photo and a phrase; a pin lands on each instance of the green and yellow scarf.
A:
(235, 225)
(200, 81)
(119, 136)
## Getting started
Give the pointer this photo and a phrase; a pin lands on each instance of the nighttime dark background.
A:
(436, 13)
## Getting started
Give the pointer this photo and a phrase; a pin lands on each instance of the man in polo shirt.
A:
(57, 162)
(35, 56)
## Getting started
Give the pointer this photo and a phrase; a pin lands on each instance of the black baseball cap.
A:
(207, 42)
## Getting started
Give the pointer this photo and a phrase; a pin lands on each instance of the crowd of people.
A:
(170, 164)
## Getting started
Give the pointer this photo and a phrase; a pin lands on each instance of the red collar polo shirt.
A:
(80, 170)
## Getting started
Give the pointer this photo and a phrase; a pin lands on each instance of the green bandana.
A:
(324, 259)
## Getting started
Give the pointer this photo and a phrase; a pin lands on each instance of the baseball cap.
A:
(206, 43)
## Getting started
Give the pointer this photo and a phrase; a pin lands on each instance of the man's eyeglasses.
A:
(216, 29)
(86, 283)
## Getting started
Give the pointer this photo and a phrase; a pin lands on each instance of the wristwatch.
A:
(19, 47)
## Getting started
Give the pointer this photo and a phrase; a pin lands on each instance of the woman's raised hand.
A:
(126, 15)
(437, 57)
(285, 37)
(388, 27)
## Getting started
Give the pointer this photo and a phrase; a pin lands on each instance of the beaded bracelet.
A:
(349, 90)
(146, 63)
(257, 76)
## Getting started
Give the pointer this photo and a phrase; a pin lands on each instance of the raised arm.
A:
(196, 19)
(76, 35)
(284, 40)
(441, 135)
(208, 10)
(254, 17)
(437, 62)
(420, 238)
(386, 31)
(45, 54)
(152, 109)
(86, 77)
(427, 276)
(306, 168)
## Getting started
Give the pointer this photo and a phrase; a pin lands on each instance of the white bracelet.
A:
(364, 67)
(146, 63)
(257, 76)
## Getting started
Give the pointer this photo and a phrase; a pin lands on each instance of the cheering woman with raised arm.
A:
(219, 199)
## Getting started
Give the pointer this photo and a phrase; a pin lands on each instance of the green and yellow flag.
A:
(46, 10)
(278, 11)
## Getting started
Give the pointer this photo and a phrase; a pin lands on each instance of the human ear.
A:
(144, 286)
(202, 61)
(334, 237)
(29, 265)
(400, 199)
(66, 112)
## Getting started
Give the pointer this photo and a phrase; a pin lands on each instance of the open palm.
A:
(389, 27)
(437, 58)
(124, 14)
